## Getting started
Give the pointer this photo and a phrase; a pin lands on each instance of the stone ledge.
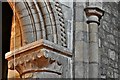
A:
(37, 45)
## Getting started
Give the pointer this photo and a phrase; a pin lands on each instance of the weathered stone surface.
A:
(109, 33)
(41, 60)
(79, 69)
(53, 40)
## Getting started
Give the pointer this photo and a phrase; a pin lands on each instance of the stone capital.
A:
(39, 57)
(93, 14)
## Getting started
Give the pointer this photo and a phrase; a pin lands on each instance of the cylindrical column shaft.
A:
(93, 50)
(94, 15)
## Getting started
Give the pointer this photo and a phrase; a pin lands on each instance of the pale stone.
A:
(55, 41)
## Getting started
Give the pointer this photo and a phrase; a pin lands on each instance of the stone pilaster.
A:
(81, 43)
(94, 15)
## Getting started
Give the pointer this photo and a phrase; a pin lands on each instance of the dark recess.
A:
(7, 14)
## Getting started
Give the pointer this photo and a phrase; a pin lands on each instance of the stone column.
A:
(94, 15)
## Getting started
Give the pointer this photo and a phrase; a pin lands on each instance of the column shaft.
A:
(93, 54)
(94, 15)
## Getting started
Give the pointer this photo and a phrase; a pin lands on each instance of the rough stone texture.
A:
(109, 36)
(70, 47)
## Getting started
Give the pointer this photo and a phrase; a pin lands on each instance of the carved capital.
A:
(38, 57)
(93, 14)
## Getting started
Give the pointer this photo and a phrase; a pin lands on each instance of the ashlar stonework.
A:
(60, 39)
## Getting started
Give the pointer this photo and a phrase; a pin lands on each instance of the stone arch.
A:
(38, 26)
(38, 20)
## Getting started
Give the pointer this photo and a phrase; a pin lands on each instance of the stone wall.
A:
(109, 41)
(69, 40)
